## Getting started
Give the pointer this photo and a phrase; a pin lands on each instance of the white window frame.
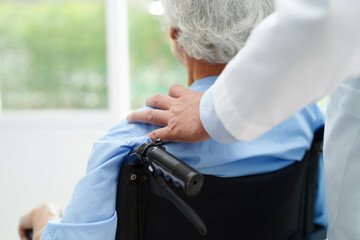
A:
(117, 79)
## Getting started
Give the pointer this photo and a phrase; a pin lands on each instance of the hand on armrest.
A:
(37, 219)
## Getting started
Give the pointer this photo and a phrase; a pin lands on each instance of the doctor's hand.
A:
(37, 219)
(179, 114)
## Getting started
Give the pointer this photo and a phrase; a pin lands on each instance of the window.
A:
(53, 55)
(73, 54)
(153, 68)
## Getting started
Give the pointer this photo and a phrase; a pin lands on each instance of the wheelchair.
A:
(161, 198)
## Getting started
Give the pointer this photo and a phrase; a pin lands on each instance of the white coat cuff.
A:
(211, 121)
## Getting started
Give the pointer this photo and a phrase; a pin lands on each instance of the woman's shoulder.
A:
(124, 130)
(312, 115)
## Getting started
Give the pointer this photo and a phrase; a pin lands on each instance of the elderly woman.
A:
(205, 35)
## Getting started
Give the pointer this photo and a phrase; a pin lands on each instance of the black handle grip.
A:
(176, 170)
(172, 168)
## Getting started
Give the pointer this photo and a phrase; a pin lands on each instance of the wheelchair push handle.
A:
(163, 163)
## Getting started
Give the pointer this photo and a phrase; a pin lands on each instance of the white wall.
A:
(41, 159)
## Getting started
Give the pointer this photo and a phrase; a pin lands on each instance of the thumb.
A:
(26, 221)
(177, 91)
(24, 225)
(162, 133)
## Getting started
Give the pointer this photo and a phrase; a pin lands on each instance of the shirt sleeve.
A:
(293, 58)
(91, 212)
(99, 230)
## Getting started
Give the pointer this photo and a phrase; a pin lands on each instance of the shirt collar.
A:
(203, 84)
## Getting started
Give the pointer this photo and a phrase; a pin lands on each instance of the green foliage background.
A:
(53, 55)
(153, 68)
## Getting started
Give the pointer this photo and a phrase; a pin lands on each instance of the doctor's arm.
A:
(293, 58)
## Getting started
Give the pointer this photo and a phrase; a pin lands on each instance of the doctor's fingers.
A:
(157, 117)
(177, 91)
(160, 101)
(163, 133)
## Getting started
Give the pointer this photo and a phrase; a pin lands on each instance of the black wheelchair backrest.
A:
(278, 205)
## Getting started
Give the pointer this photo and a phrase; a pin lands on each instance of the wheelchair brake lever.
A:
(161, 189)
(173, 169)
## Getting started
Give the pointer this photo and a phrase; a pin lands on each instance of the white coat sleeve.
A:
(293, 58)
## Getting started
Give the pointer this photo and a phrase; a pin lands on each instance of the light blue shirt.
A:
(91, 213)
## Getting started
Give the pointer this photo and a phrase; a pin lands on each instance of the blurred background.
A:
(53, 54)
(69, 70)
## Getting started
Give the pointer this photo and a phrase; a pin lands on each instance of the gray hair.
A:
(214, 30)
